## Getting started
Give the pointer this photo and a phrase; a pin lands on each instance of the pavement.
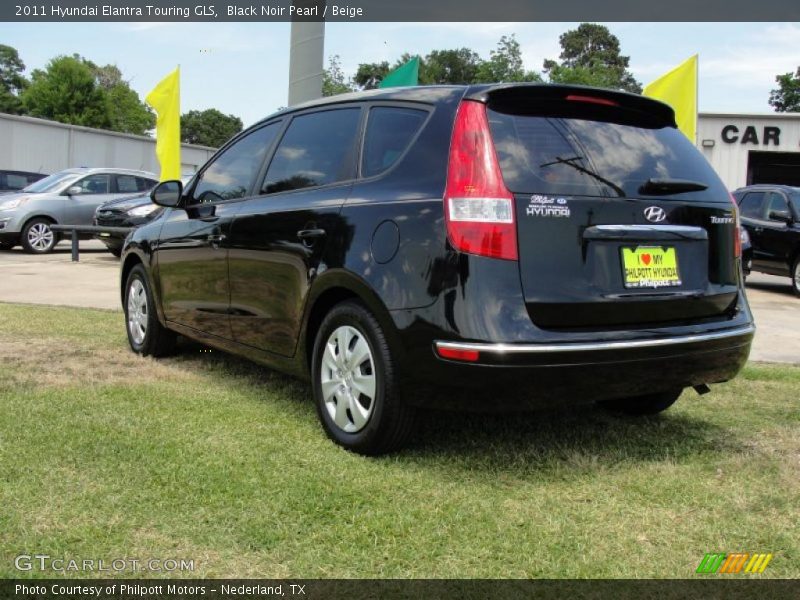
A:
(93, 283)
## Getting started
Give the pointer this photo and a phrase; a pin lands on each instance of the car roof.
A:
(430, 94)
(768, 186)
(93, 170)
(14, 172)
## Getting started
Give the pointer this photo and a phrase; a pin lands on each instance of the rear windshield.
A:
(583, 157)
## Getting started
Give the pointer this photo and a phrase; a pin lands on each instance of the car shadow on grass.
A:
(578, 438)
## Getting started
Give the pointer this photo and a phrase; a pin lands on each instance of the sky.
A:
(242, 68)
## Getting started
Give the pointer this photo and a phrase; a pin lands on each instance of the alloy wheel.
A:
(40, 237)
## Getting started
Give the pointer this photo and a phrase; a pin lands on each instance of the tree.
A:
(67, 91)
(333, 81)
(505, 64)
(787, 97)
(369, 75)
(590, 55)
(12, 82)
(459, 66)
(126, 111)
(209, 127)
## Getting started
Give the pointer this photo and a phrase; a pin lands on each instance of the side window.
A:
(16, 182)
(233, 171)
(389, 132)
(777, 208)
(126, 184)
(751, 205)
(94, 184)
(145, 184)
(317, 149)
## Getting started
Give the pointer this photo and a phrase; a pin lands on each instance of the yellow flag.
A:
(165, 98)
(678, 88)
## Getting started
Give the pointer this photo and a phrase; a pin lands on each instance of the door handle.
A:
(758, 229)
(309, 234)
(216, 238)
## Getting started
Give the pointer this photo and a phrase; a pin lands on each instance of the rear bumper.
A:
(517, 376)
(544, 354)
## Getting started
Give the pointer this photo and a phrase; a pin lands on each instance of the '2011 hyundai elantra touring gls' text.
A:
(488, 246)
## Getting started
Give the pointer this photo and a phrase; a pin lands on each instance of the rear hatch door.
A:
(621, 221)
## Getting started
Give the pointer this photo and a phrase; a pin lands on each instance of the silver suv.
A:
(68, 197)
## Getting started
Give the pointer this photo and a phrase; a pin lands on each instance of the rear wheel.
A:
(649, 404)
(37, 236)
(355, 387)
(146, 335)
(796, 277)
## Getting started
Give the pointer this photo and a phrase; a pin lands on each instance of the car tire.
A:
(648, 404)
(37, 237)
(356, 391)
(796, 277)
(146, 335)
(4, 246)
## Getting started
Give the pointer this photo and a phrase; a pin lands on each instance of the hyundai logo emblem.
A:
(654, 214)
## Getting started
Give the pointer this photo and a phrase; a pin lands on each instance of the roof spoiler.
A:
(556, 100)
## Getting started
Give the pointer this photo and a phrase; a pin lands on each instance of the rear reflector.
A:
(479, 209)
(737, 243)
(454, 354)
(592, 100)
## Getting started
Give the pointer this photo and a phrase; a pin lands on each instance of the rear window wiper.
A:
(570, 162)
(661, 187)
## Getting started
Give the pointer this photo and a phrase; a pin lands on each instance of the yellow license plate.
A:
(650, 267)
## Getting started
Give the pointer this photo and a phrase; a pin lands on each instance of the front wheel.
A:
(37, 237)
(649, 404)
(356, 392)
(146, 335)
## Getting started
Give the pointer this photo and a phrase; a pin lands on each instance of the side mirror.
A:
(167, 193)
(779, 215)
(75, 190)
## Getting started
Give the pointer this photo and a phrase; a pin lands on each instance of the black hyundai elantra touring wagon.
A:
(478, 247)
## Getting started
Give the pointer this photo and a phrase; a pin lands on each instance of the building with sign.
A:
(747, 149)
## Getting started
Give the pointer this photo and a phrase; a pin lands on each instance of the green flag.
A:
(407, 74)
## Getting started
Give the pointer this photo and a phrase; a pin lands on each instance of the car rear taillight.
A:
(737, 243)
(479, 209)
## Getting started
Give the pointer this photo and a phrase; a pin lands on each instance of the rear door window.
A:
(389, 132)
(751, 205)
(317, 149)
(15, 182)
(581, 156)
(126, 184)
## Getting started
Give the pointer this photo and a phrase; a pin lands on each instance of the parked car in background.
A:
(13, 181)
(490, 246)
(771, 216)
(68, 197)
(130, 211)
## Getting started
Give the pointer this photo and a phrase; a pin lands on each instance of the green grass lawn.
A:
(207, 457)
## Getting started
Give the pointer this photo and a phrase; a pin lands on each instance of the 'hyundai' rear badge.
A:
(654, 214)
